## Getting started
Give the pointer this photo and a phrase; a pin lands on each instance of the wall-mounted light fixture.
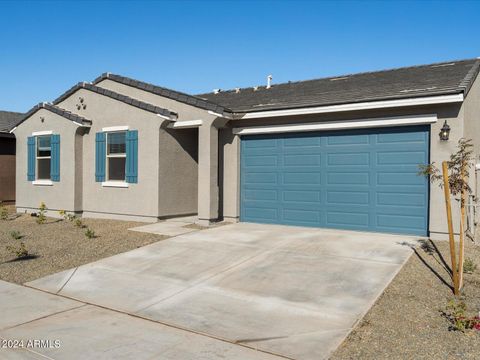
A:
(445, 131)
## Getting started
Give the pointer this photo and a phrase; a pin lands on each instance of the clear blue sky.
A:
(47, 47)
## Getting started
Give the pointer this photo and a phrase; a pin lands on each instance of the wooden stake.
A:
(462, 231)
(453, 256)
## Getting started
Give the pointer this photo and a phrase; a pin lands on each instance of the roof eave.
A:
(456, 97)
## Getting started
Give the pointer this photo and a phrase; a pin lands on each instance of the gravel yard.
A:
(58, 245)
(406, 321)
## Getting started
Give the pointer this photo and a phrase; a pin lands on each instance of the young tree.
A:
(455, 176)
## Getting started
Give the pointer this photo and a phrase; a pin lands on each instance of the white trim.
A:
(117, 184)
(357, 106)
(40, 133)
(186, 124)
(220, 115)
(42, 182)
(115, 128)
(338, 125)
(167, 117)
(11, 131)
(78, 124)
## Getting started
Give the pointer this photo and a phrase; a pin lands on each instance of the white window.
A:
(44, 156)
(116, 155)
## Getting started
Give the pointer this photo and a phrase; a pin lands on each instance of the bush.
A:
(89, 233)
(20, 251)
(469, 266)
(78, 223)
(14, 234)
(456, 313)
(42, 210)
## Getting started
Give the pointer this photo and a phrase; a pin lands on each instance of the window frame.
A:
(108, 156)
(37, 158)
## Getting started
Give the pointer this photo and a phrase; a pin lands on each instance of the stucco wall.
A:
(178, 164)
(139, 199)
(439, 151)
(185, 112)
(472, 131)
(61, 195)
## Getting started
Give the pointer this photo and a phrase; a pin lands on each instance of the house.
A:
(8, 120)
(339, 152)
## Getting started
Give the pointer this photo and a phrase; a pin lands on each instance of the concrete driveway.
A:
(289, 291)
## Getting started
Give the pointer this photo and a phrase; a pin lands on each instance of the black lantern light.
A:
(445, 132)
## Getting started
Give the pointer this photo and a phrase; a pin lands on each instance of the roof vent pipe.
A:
(269, 81)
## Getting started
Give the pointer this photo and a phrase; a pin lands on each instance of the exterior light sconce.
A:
(445, 132)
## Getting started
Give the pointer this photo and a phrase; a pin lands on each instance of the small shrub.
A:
(14, 234)
(20, 251)
(469, 266)
(89, 233)
(78, 223)
(3, 212)
(42, 210)
(456, 313)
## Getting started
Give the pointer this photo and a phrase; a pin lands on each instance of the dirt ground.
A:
(407, 322)
(59, 245)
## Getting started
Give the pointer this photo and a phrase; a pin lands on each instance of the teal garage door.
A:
(356, 180)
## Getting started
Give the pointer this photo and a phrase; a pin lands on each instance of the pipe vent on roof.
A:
(237, 90)
(269, 81)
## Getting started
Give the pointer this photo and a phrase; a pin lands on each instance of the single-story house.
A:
(340, 152)
(8, 120)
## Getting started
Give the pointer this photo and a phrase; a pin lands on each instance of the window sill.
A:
(118, 184)
(42, 182)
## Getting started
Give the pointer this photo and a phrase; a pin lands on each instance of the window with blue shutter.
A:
(132, 157)
(100, 156)
(31, 153)
(55, 158)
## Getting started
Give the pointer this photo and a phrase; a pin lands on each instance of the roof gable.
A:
(80, 120)
(168, 93)
(119, 97)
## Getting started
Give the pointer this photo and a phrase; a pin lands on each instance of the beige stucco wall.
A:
(472, 131)
(439, 151)
(61, 195)
(139, 199)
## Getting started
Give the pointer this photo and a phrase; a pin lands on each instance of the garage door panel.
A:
(362, 179)
(348, 158)
(348, 197)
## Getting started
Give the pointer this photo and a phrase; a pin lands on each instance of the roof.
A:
(445, 78)
(56, 110)
(8, 120)
(168, 93)
(111, 94)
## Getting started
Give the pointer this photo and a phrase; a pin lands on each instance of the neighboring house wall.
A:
(60, 195)
(439, 151)
(7, 168)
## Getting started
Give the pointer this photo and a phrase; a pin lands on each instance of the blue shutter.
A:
(31, 158)
(132, 157)
(55, 159)
(100, 156)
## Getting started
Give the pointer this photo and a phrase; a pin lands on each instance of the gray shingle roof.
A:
(168, 93)
(417, 81)
(111, 94)
(8, 120)
(56, 110)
